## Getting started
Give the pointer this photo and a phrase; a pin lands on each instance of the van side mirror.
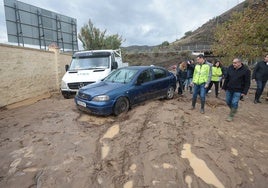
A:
(114, 65)
(67, 68)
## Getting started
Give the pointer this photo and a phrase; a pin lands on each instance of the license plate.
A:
(81, 103)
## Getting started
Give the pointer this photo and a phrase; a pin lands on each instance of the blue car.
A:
(124, 88)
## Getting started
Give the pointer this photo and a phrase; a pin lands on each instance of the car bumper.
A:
(97, 108)
(68, 92)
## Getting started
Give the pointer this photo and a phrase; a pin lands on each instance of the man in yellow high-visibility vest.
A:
(201, 79)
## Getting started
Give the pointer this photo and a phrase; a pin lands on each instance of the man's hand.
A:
(206, 85)
(192, 84)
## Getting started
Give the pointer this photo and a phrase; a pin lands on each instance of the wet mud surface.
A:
(160, 143)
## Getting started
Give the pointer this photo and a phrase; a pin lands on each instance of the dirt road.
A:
(157, 144)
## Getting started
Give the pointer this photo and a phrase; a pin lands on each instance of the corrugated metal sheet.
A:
(27, 24)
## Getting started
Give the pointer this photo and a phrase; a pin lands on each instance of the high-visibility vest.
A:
(216, 73)
(201, 73)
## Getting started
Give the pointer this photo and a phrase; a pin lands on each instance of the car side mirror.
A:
(114, 65)
(67, 67)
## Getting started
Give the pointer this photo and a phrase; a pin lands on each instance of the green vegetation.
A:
(165, 43)
(245, 34)
(188, 33)
(93, 38)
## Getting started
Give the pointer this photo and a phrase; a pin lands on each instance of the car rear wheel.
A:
(121, 105)
(170, 92)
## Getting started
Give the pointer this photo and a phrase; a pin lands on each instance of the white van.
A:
(88, 67)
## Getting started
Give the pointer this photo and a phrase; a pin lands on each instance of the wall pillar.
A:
(54, 48)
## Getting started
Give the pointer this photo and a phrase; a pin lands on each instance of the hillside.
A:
(138, 55)
(204, 34)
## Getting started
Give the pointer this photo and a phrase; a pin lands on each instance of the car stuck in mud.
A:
(124, 88)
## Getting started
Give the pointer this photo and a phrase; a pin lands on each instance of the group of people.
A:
(200, 77)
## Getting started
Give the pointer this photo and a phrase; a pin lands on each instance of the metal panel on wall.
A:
(27, 24)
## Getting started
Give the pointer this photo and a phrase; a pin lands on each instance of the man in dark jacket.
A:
(236, 84)
(260, 75)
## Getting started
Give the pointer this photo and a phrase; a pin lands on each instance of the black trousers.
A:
(260, 87)
(216, 84)
(181, 87)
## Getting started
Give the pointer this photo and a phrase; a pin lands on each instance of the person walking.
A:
(223, 70)
(181, 76)
(216, 76)
(190, 72)
(260, 75)
(236, 84)
(201, 80)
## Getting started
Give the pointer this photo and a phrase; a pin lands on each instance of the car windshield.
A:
(121, 75)
(89, 63)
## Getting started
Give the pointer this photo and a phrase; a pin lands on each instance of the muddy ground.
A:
(160, 143)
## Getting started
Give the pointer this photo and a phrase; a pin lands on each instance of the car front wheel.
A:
(121, 105)
(170, 93)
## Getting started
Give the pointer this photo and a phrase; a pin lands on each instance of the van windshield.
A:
(89, 63)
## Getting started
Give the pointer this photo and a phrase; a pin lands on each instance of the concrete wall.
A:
(27, 73)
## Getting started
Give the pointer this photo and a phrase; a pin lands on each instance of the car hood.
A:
(100, 88)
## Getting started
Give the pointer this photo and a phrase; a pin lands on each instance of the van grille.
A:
(78, 85)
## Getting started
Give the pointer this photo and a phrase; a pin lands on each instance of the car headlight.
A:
(101, 98)
(63, 85)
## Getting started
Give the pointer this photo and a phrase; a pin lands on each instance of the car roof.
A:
(141, 67)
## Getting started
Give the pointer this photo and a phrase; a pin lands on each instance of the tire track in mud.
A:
(112, 170)
(145, 146)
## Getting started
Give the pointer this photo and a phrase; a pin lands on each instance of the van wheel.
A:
(170, 93)
(66, 96)
(121, 105)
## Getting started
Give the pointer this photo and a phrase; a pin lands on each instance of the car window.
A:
(145, 76)
(159, 73)
(121, 75)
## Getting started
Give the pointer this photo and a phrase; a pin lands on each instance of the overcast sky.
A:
(140, 22)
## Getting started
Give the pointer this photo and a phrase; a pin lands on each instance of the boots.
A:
(257, 97)
(202, 110)
(257, 101)
(193, 104)
(231, 115)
